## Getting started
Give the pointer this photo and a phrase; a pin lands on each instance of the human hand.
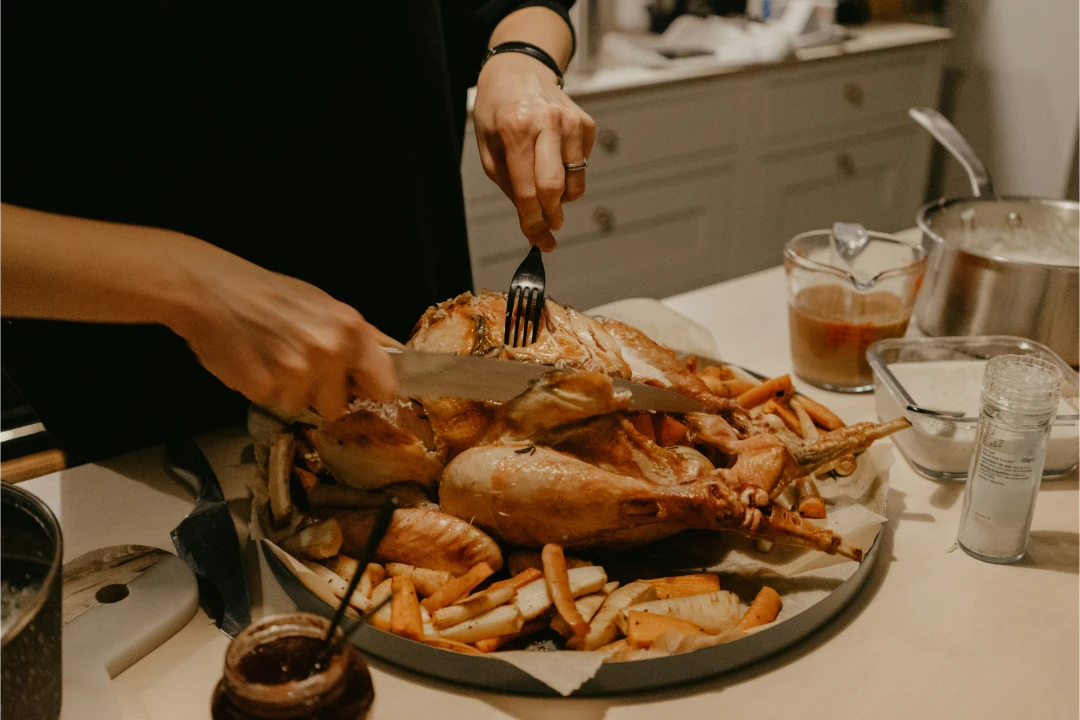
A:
(284, 344)
(527, 129)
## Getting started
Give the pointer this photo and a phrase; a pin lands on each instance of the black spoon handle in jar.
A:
(382, 521)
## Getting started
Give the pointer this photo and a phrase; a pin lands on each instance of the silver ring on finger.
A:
(576, 166)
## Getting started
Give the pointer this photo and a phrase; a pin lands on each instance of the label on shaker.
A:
(1004, 476)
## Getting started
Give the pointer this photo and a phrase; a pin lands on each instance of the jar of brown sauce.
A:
(271, 673)
(838, 304)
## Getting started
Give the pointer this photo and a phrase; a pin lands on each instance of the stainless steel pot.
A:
(32, 552)
(969, 292)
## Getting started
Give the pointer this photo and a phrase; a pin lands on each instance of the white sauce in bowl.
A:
(944, 445)
(953, 385)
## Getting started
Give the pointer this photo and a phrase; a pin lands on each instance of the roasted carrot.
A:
(669, 431)
(685, 585)
(457, 588)
(448, 644)
(520, 580)
(809, 502)
(776, 387)
(493, 644)
(405, 619)
(763, 610)
(822, 415)
(643, 423)
(558, 583)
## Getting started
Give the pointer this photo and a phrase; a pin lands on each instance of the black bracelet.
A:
(527, 49)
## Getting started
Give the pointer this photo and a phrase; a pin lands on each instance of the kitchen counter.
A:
(863, 39)
(934, 633)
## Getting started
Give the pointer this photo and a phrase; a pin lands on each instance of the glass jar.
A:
(1019, 403)
(844, 296)
(270, 674)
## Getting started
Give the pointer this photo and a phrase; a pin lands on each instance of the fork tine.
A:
(511, 301)
(527, 304)
(521, 319)
(537, 314)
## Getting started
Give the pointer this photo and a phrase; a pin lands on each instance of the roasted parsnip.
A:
(316, 542)
(282, 451)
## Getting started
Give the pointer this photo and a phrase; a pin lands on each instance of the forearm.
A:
(541, 27)
(65, 268)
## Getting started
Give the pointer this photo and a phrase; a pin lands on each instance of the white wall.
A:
(1011, 89)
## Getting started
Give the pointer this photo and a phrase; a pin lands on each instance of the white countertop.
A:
(933, 633)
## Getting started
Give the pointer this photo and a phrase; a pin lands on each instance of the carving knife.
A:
(206, 539)
(423, 374)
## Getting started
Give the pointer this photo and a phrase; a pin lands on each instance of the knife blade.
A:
(206, 539)
(423, 374)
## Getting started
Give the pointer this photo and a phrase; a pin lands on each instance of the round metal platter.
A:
(612, 678)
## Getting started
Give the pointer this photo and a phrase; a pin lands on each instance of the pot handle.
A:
(946, 134)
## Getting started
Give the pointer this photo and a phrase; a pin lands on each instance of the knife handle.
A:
(185, 460)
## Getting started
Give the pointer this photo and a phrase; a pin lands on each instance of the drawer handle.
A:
(605, 218)
(608, 139)
(845, 164)
(853, 94)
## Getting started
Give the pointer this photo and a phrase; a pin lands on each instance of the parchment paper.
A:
(662, 324)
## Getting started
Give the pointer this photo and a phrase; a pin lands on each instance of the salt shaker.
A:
(1019, 403)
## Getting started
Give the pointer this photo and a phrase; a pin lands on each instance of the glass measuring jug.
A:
(847, 288)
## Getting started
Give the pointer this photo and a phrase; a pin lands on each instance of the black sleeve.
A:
(491, 13)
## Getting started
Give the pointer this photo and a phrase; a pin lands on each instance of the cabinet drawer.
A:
(806, 106)
(635, 130)
(648, 241)
(872, 181)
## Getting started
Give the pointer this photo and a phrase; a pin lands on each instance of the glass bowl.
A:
(935, 383)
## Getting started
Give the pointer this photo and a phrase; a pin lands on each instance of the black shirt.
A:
(319, 140)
